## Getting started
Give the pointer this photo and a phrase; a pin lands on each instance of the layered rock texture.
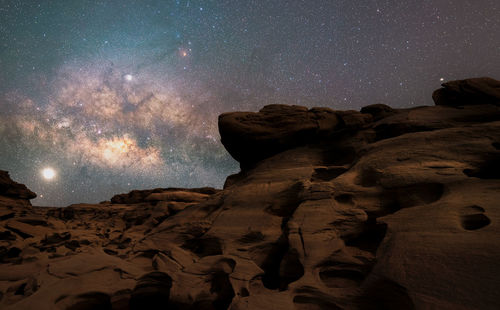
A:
(378, 209)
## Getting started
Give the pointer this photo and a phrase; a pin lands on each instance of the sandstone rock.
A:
(13, 195)
(178, 196)
(353, 120)
(13, 189)
(138, 196)
(466, 92)
(250, 137)
(378, 111)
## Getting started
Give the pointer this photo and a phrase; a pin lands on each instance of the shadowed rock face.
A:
(13, 189)
(379, 209)
(12, 194)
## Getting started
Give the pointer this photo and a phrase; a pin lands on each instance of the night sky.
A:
(110, 96)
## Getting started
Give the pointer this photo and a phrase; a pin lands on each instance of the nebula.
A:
(93, 116)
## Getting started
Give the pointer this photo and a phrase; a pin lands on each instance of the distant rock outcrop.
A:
(466, 92)
(13, 194)
(175, 194)
(13, 189)
(379, 209)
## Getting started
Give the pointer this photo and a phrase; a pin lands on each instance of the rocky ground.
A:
(378, 209)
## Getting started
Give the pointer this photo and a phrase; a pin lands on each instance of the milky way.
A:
(121, 95)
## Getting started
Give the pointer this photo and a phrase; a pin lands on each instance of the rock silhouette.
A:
(378, 209)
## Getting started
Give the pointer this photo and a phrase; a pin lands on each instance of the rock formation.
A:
(378, 209)
(13, 193)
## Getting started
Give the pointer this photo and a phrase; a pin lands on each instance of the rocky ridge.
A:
(378, 209)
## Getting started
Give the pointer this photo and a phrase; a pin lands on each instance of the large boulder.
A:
(378, 111)
(483, 90)
(250, 137)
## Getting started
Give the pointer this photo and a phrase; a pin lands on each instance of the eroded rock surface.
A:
(379, 209)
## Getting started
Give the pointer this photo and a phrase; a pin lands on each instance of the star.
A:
(48, 173)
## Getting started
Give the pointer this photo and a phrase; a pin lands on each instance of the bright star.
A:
(48, 173)
(441, 79)
(128, 77)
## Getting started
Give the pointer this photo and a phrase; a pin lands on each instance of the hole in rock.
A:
(489, 170)
(385, 294)
(344, 198)
(282, 266)
(244, 292)
(291, 269)
(327, 174)
(92, 301)
(204, 246)
(271, 265)
(371, 237)
(474, 221)
(152, 291)
(221, 285)
(20, 289)
(496, 145)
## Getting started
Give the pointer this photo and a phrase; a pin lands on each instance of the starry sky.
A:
(111, 96)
